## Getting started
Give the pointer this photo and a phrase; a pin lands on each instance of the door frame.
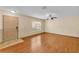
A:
(3, 40)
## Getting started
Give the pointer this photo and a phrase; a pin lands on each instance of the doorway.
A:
(10, 28)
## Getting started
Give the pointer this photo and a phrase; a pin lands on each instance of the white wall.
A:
(25, 26)
(64, 25)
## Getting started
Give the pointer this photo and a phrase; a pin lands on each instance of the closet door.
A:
(10, 28)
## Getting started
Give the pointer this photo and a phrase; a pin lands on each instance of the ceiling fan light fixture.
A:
(13, 11)
(52, 17)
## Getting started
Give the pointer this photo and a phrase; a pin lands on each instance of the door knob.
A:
(16, 27)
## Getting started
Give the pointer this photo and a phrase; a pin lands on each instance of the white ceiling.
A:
(39, 12)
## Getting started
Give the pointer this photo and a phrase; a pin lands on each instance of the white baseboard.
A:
(10, 43)
(65, 34)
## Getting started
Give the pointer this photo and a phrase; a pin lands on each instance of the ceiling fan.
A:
(50, 15)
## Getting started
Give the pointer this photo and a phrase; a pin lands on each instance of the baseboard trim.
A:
(33, 35)
(10, 43)
(62, 35)
(50, 33)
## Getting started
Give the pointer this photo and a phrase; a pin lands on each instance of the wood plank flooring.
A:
(46, 43)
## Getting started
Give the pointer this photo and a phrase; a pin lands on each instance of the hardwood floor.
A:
(46, 43)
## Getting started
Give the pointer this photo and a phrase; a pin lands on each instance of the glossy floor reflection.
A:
(46, 43)
(36, 43)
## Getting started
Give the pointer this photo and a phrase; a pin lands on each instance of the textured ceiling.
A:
(42, 12)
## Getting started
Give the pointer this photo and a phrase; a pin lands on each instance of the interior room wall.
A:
(25, 26)
(63, 25)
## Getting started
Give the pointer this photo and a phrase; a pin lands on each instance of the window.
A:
(36, 25)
